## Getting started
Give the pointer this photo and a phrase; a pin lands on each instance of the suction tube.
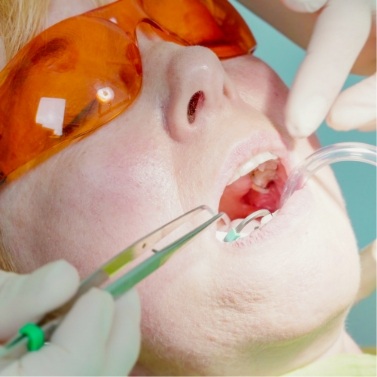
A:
(352, 151)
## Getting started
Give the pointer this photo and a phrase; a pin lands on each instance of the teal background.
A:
(358, 181)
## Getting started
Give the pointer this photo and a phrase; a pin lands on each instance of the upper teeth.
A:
(251, 164)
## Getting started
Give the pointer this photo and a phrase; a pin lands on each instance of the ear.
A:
(2, 54)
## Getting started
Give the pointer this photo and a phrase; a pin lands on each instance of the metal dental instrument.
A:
(20, 344)
(235, 233)
(351, 151)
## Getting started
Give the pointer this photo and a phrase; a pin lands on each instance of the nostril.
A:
(195, 103)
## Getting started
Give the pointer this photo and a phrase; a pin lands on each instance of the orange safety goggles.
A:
(82, 72)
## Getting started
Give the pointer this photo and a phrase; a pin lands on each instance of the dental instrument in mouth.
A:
(351, 151)
(118, 275)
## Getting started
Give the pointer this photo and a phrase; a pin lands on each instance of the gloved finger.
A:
(368, 265)
(355, 107)
(124, 341)
(339, 35)
(26, 298)
(78, 345)
(306, 6)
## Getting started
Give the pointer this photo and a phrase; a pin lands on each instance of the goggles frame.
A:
(80, 73)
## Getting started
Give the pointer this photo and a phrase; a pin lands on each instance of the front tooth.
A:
(234, 178)
(251, 164)
(248, 167)
(255, 162)
(268, 165)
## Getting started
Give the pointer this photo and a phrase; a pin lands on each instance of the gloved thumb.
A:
(26, 298)
(305, 6)
(368, 264)
(355, 107)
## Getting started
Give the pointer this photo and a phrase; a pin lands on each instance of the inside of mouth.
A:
(259, 189)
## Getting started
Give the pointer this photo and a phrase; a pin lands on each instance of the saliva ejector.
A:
(351, 151)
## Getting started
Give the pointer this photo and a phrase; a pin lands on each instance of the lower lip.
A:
(289, 217)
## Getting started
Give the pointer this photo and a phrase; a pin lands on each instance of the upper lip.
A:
(261, 141)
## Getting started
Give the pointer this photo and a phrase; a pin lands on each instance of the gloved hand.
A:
(340, 33)
(368, 264)
(97, 337)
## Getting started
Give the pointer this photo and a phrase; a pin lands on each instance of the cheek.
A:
(134, 175)
(118, 188)
(133, 181)
(259, 86)
(301, 283)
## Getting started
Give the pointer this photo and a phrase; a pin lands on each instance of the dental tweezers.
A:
(20, 344)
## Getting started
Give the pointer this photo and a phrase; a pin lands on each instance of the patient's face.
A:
(214, 308)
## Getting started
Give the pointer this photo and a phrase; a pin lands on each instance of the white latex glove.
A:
(338, 37)
(368, 264)
(97, 337)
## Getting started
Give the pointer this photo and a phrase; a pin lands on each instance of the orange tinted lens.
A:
(214, 24)
(84, 71)
(65, 83)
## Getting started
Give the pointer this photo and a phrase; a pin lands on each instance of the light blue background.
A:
(358, 181)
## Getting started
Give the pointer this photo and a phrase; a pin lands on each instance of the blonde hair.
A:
(21, 20)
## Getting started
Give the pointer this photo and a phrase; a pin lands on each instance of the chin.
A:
(222, 308)
(272, 301)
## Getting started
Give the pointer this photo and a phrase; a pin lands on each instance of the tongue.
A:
(233, 199)
(268, 201)
(240, 199)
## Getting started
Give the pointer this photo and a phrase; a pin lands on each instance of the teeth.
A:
(247, 230)
(263, 175)
(251, 164)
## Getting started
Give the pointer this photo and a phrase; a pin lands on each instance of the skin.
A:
(258, 307)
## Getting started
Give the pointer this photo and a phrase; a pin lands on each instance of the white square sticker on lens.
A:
(50, 114)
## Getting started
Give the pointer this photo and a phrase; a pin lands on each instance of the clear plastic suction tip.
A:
(359, 152)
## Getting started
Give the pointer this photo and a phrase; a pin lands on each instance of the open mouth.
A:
(256, 185)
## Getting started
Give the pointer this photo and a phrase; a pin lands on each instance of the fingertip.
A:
(88, 324)
(57, 280)
(99, 303)
(351, 118)
(355, 107)
(303, 117)
(130, 303)
(77, 347)
(28, 297)
(369, 127)
(124, 341)
(296, 130)
(61, 269)
(304, 6)
(373, 247)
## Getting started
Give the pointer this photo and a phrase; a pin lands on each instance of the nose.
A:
(191, 82)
